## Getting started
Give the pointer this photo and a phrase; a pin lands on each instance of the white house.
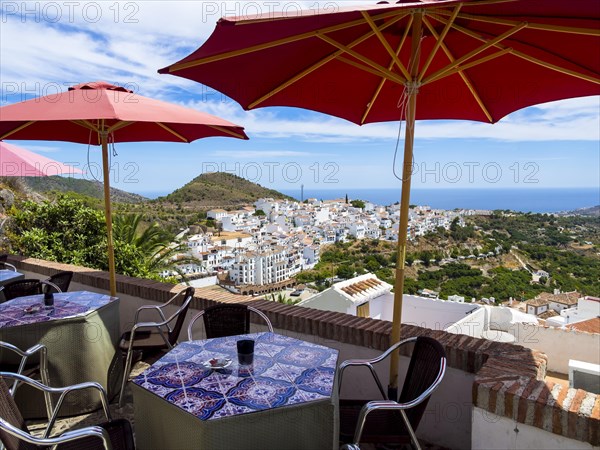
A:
(361, 296)
(587, 308)
(216, 214)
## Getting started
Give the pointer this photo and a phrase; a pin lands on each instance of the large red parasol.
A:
(471, 59)
(99, 113)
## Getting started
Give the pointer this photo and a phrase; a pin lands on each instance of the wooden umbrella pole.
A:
(412, 87)
(108, 213)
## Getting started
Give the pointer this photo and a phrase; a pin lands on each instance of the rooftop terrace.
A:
(494, 395)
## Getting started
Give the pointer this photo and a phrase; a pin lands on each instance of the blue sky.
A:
(46, 46)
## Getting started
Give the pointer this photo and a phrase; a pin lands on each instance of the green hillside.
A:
(89, 188)
(220, 189)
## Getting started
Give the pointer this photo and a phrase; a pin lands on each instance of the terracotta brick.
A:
(525, 403)
(557, 410)
(494, 396)
(509, 399)
(595, 415)
(541, 403)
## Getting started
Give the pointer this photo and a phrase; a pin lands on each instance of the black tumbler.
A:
(245, 349)
(49, 299)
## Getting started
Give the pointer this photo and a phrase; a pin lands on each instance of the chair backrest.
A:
(9, 412)
(426, 367)
(21, 288)
(226, 319)
(62, 280)
(187, 295)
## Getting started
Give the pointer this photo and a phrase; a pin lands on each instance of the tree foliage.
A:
(68, 230)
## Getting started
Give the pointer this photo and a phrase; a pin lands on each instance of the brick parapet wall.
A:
(509, 379)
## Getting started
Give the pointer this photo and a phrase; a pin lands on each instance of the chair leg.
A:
(125, 375)
(411, 432)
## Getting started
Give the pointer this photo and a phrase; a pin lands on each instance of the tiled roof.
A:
(537, 302)
(564, 298)
(588, 326)
(362, 286)
(219, 294)
(547, 314)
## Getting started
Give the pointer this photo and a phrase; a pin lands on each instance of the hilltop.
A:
(219, 189)
(94, 189)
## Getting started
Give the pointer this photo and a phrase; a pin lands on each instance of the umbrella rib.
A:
(388, 76)
(439, 39)
(226, 131)
(173, 132)
(16, 130)
(469, 65)
(86, 124)
(383, 79)
(321, 63)
(533, 60)
(118, 126)
(288, 40)
(487, 44)
(380, 69)
(460, 69)
(533, 26)
(386, 45)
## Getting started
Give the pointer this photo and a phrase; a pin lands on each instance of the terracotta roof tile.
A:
(588, 326)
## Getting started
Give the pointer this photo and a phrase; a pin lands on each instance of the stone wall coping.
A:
(509, 379)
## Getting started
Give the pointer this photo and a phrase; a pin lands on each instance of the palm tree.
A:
(152, 247)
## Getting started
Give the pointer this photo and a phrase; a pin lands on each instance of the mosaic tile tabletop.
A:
(9, 275)
(66, 304)
(285, 372)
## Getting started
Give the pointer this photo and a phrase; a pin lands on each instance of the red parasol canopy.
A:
(98, 113)
(19, 162)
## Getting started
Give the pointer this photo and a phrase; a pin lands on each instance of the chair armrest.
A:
(147, 307)
(68, 436)
(5, 264)
(24, 354)
(376, 405)
(63, 391)
(369, 364)
(142, 325)
(52, 285)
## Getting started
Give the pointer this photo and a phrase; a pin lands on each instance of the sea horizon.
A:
(535, 200)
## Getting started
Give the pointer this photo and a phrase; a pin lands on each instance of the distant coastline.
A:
(536, 200)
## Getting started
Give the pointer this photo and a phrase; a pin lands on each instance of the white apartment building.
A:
(260, 267)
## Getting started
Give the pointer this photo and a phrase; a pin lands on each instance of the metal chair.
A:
(389, 421)
(29, 370)
(61, 279)
(28, 286)
(113, 434)
(141, 337)
(227, 319)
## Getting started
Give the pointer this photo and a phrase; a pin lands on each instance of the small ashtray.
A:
(32, 309)
(216, 363)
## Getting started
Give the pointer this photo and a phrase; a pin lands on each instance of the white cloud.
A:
(251, 154)
(43, 149)
(568, 120)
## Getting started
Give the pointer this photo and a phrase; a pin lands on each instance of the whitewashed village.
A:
(258, 250)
